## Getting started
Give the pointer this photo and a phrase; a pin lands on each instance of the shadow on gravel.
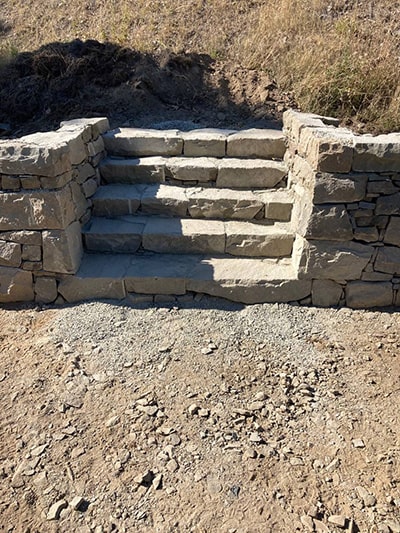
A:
(62, 81)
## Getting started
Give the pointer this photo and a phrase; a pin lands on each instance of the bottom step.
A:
(245, 280)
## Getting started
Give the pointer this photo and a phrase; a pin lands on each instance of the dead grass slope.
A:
(339, 57)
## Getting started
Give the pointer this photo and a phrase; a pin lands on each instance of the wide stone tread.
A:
(238, 279)
(250, 173)
(258, 143)
(196, 202)
(133, 170)
(188, 236)
(143, 142)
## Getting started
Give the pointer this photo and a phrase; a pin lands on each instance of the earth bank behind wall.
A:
(347, 211)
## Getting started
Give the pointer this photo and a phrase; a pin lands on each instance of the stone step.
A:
(203, 171)
(128, 234)
(252, 143)
(238, 279)
(196, 202)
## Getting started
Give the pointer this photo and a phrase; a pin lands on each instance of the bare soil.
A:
(199, 416)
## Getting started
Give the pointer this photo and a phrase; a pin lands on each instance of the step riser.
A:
(176, 202)
(130, 142)
(234, 173)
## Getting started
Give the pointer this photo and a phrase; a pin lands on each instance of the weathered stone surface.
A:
(327, 260)
(184, 236)
(381, 186)
(122, 235)
(31, 252)
(255, 240)
(23, 237)
(56, 182)
(84, 287)
(326, 293)
(205, 142)
(79, 200)
(366, 234)
(15, 285)
(339, 188)
(89, 187)
(164, 200)
(247, 174)
(142, 142)
(98, 125)
(36, 210)
(388, 205)
(377, 154)
(376, 276)
(96, 147)
(258, 143)
(294, 122)
(30, 182)
(327, 149)
(10, 183)
(278, 205)
(156, 285)
(84, 172)
(362, 294)
(117, 200)
(330, 223)
(185, 169)
(392, 234)
(223, 204)
(10, 254)
(388, 260)
(45, 290)
(62, 250)
(143, 170)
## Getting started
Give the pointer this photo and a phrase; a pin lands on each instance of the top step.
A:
(252, 143)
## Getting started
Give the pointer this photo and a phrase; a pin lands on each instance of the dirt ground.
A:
(199, 416)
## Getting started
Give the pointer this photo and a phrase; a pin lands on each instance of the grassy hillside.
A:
(338, 57)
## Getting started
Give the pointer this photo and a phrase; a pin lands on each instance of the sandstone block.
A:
(247, 174)
(15, 285)
(117, 200)
(79, 200)
(84, 172)
(23, 237)
(382, 186)
(327, 149)
(362, 294)
(377, 154)
(388, 260)
(142, 142)
(164, 200)
(327, 260)
(205, 143)
(388, 205)
(339, 188)
(257, 143)
(56, 182)
(80, 287)
(294, 122)
(326, 293)
(89, 187)
(30, 182)
(223, 204)
(278, 205)
(392, 234)
(10, 254)
(254, 240)
(62, 250)
(366, 234)
(10, 183)
(154, 285)
(96, 147)
(45, 290)
(122, 235)
(36, 210)
(376, 276)
(143, 170)
(31, 252)
(329, 223)
(98, 125)
(186, 169)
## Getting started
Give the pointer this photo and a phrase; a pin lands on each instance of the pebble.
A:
(193, 409)
(39, 450)
(150, 410)
(250, 453)
(55, 510)
(157, 482)
(113, 421)
(204, 413)
(337, 520)
(76, 503)
(307, 522)
(172, 466)
(255, 437)
(320, 527)
(358, 443)
(394, 525)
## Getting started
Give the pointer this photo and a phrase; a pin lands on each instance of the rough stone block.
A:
(154, 285)
(45, 290)
(62, 250)
(10, 254)
(98, 125)
(329, 223)
(32, 265)
(23, 237)
(144, 170)
(114, 235)
(294, 122)
(362, 294)
(327, 260)
(392, 234)
(31, 252)
(96, 147)
(84, 172)
(117, 200)
(388, 260)
(382, 186)
(205, 143)
(89, 187)
(254, 240)
(327, 149)
(196, 169)
(278, 205)
(10, 183)
(30, 182)
(79, 200)
(326, 293)
(388, 205)
(78, 288)
(257, 143)
(15, 285)
(223, 204)
(57, 182)
(36, 210)
(339, 188)
(377, 154)
(366, 234)
(247, 174)
(164, 200)
(142, 142)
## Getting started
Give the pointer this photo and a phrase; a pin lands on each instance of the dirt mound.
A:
(61, 81)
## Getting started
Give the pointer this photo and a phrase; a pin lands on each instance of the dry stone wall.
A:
(46, 182)
(347, 211)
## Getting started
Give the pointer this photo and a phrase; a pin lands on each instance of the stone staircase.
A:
(202, 211)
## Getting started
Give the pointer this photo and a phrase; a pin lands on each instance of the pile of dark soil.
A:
(62, 81)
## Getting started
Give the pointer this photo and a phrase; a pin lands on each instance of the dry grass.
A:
(340, 57)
